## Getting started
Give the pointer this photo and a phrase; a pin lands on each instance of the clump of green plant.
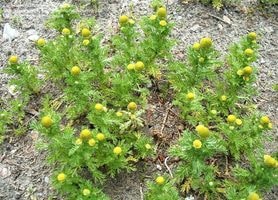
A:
(97, 130)
(218, 4)
(24, 83)
(161, 189)
(269, 2)
(224, 129)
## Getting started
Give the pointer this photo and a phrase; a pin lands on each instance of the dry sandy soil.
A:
(23, 172)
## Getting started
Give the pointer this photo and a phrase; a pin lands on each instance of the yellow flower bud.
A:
(117, 150)
(163, 23)
(202, 131)
(206, 42)
(85, 32)
(197, 144)
(161, 12)
(160, 180)
(61, 177)
(13, 59)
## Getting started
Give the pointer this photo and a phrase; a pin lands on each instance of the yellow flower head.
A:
(131, 21)
(75, 70)
(246, 78)
(160, 180)
(119, 114)
(247, 70)
(86, 192)
(214, 112)
(41, 42)
(197, 144)
(66, 31)
(196, 46)
(265, 120)
(153, 17)
(123, 19)
(100, 137)
(252, 36)
(117, 150)
(148, 146)
(86, 42)
(65, 6)
(99, 107)
(85, 134)
(238, 122)
(132, 106)
(13, 59)
(92, 142)
(231, 118)
(61, 177)
(201, 60)
(202, 131)
(131, 67)
(46, 121)
(253, 196)
(162, 23)
(161, 12)
(249, 52)
(85, 32)
(139, 66)
(240, 72)
(223, 98)
(105, 109)
(190, 96)
(206, 42)
(231, 127)
(269, 161)
(78, 141)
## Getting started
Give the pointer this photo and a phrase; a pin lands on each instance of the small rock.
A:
(159, 167)
(220, 27)
(268, 29)
(32, 35)
(227, 19)
(262, 61)
(46, 179)
(195, 27)
(4, 172)
(33, 38)
(9, 33)
(31, 32)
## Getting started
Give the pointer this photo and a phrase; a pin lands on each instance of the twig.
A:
(167, 167)
(214, 16)
(173, 112)
(226, 167)
(165, 119)
(3, 157)
(141, 192)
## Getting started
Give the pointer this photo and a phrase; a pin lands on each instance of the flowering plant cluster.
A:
(96, 92)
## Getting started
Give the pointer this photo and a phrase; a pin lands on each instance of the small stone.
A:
(220, 26)
(9, 33)
(33, 38)
(227, 19)
(195, 27)
(4, 172)
(46, 179)
(159, 167)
